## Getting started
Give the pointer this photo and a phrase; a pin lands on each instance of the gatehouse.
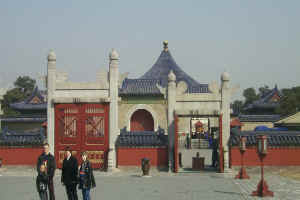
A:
(116, 117)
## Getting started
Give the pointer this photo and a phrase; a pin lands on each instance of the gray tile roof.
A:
(142, 139)
(264, 101)
(26, 105)
(13, 138)
(140, 87)
(158, 74)
(161, 69)
(274, 138)
(259, 118)
(24, 118)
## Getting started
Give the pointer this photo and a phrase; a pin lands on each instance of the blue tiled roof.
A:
(142, 139)
(274, 138)
(161, 69)
(158, 74)
(13, 138)
(26, 105)
(24, 118)
(140, 87)
(259, 118)
(264, 101)
(201, 88)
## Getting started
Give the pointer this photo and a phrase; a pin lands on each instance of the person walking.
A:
(86, 177)
(47, 159)
(42, 183)
(69, 175)
(215, 154)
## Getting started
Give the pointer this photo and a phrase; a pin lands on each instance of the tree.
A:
(290, 102)
(263, 90)
(24, 86)
(250, 96)
(237, 106)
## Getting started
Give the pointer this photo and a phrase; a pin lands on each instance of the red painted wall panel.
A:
(20, 156)
(133, 156)
(279, 156)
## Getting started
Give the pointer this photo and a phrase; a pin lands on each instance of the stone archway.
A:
(148, 108)
(141, 120)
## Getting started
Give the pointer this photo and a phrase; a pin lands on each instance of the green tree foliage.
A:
(263, 90)
(237, 106)
(24, 86)
(250, 96)
(291, 101)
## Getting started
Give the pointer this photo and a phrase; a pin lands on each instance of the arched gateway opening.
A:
(141, 120)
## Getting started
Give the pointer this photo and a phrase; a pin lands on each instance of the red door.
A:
(141, 120)
(82, 127)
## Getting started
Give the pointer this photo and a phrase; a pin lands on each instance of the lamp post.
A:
(262, 187)
(242, 173)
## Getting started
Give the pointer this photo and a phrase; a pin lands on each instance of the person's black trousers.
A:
(72, 192)
(43, 195)
(51, 190)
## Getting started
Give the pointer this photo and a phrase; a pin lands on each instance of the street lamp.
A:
(242, 173)
(262, 187)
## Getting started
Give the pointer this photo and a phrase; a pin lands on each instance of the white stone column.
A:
(113, 107)
(171, 108)
(225, 110)
(51, 80)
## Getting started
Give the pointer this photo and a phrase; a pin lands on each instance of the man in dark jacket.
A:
(47, 159)
(69, 175)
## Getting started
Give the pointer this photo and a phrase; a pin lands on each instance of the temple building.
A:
(120, 120)
(262, 111)
(32, 113)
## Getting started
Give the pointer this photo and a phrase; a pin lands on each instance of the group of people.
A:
(71, 176)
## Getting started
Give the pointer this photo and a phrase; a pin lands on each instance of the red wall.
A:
(20, 155)
(277, 156)
(133, 156)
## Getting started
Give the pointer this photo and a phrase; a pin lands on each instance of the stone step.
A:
(200, 144)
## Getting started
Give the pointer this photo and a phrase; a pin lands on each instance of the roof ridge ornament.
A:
(166, 48)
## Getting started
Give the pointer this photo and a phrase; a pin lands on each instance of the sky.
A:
(256, 42)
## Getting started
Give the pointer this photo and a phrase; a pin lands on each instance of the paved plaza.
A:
(19, 183)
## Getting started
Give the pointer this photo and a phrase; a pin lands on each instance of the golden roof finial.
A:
(166, 45)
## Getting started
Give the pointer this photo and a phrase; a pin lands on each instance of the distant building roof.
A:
(158, 74)
(290, 120)
(258, 118)
(269, 100)
(35, 101)
(274, 138)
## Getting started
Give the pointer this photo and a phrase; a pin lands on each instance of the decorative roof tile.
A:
(266, 100)
(158, 74)
(161, 69)
(142, 139)
(259, 118)
(31, 102)
(274, 138)
(24, 118)
(13, 138)
(140, 87)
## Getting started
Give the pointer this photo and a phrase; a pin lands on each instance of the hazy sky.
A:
(257, 42)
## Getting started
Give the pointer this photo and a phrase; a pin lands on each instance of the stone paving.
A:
(19, 183)
(283, 188)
